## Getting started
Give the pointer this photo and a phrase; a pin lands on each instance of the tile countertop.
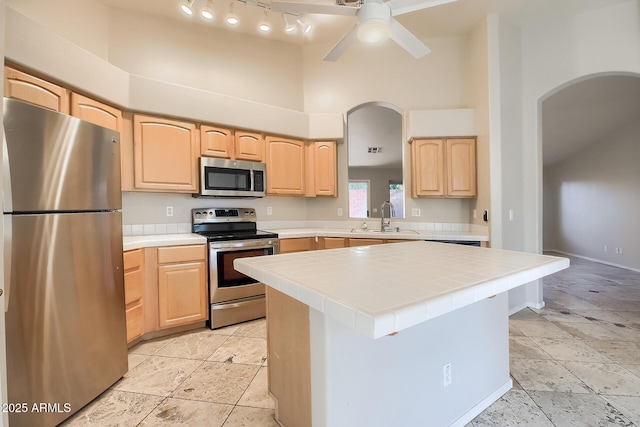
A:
(382, 289)
(289, 233)
(135, 242)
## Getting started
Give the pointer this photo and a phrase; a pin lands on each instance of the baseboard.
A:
(536, 305)
(599, 261)
(484, 404)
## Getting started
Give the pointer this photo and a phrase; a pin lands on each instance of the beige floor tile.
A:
(227, 330)
(136, 359)
(254, 329)
(628, 405)
(257, 394)
(515, 408)
(544, 329)
(151, 347)
(525, 348)
(571, 409)
(588, 331)
(526, 314)
(635, 369)
(625, 352)
(157, 375)
(514, 332)
(546, 375)
(193, 345)
(602, 315)
(180, 412)
(570, 349)
(115, 409)
(217, 382)
(245, 350)
(606, 378)
(625, 333)
(251, 417)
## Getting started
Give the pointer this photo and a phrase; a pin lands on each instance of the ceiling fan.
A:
(375, 21)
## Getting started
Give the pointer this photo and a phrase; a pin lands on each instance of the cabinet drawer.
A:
(295, 245)
(135, 322)
(181, 253)
(133, 286)
(133, 259)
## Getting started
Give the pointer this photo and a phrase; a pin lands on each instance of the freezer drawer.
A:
(66, 335)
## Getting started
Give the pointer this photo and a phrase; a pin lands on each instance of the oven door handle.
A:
(244, 245)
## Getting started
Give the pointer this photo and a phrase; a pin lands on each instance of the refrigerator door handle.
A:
(7, 197)
(8, 245)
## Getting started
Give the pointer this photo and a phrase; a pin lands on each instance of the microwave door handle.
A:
(252, 182)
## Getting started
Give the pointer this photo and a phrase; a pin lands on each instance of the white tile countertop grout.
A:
(382, 289)
(288, 233)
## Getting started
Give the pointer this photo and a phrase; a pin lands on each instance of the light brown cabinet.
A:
(229, 144)
(321, 169)
(182, 285)
(443, 167)
(331, 242)
(285, 160)
(25, 87)
(134, 281)
(297, 245)
(165, 155)
(249, 146)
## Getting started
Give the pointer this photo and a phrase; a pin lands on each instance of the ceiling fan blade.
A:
(408, 41)
(341, 47)
(400, 7)
(321, 9)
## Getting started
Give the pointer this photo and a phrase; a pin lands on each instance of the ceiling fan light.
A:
(373, 31)
(187, 7)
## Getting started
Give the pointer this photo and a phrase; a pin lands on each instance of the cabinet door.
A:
(249, 146)
(31, 89)
(365, 242)
(96, 112)
(165, 155)
(182, 293)
(427, 167)
(216, 142)
(334, 242)
(323, 169)
(300, 244)
(461, 167)
(134, 293)
(285, 166)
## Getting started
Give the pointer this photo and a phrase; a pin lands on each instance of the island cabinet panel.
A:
(165, 155)
(365, 242)
(288, 351)
(134, 279)
(216, 142)
(321, 169)
(182, 285)
(25, 87)
(331, 242)
(249, 146)
(427, 167)
(285, 160)
(461, 167)
(300, 244)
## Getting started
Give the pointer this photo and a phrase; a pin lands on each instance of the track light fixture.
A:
(288, 26)
(264, 26)
(306, 27)
(231, 18)
(187, 7)
(207, 11)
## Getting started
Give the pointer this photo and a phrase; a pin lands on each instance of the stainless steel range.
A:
(232, 233)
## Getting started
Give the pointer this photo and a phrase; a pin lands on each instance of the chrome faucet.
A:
(392, 212)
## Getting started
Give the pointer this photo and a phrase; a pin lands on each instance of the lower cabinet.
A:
(301, 244)
(182, 285)
(134, 293)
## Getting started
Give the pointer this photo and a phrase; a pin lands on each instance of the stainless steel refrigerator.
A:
(64, 301)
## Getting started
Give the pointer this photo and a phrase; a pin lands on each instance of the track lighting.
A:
(264, 26)
(231, 18)
(187, 7)
(288, 26)
(306, 27)
(207, 11)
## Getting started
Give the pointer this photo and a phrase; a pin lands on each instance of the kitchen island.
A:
(409, 334)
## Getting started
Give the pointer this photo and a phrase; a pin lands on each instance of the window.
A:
(359, 199)
(396, 197)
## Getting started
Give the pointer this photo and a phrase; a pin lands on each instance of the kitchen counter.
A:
(413, 333)
(147, 241)
(289, 233)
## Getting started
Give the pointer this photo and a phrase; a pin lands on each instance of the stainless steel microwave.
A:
(231, 178)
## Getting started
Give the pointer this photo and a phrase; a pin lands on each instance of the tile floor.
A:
(575, 362)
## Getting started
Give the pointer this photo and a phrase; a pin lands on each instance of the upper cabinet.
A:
(443, 167)
(96, 112)
(321, 169)
(285, 160)
(229, 144)
(165, 154)
(31, 89)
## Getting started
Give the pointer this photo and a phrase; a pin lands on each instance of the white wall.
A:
(4, 418)
(593, 200)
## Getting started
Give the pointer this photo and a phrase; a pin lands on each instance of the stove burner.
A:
(218, 224)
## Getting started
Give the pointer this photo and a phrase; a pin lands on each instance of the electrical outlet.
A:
(169, 210)
(339, 211)
(475, 213)
(415, 212)
(269, 210)
(446, 374)
(510, 214)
